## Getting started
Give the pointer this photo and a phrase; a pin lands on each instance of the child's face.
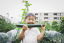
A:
(30, 20)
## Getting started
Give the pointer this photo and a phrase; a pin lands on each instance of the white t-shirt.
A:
(31, 35)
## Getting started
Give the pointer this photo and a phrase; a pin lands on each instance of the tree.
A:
(55, 26)
(62, 25)
(48, 26)
(5, 26)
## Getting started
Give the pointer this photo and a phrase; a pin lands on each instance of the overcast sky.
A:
(13, 7)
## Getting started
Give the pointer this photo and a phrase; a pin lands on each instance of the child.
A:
(31, 35)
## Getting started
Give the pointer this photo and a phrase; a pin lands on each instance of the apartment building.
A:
(48, 17)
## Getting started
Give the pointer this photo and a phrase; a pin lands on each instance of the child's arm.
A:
(40, 36)
(21, 35)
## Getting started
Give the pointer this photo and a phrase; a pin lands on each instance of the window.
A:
(45, 17)
(55, 14)
(56, 18)
(45, 21)
(36, 13)
(36, 18)
(46, 14)
(60, 14)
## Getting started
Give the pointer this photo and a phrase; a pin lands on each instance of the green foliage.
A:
(6, 26)
(48, 26)
(55, 26)
(25, 11)
(62, 25)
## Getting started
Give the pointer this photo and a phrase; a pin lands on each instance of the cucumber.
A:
(30, 25)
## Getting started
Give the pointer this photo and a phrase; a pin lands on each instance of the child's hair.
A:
(30, 14)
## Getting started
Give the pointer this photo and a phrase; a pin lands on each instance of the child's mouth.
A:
(30, 23)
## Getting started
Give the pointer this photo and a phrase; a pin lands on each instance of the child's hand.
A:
(43, 27)
(25, 27)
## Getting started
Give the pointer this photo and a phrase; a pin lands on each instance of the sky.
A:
(13, 7)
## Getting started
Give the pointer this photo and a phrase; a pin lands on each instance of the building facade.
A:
(48, 17)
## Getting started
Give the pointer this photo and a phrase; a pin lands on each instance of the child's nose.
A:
(30, 20)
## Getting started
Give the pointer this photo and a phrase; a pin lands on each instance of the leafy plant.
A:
(6, 26)
(62, 25)
(25, 10)
(48, 26)
(55, 26)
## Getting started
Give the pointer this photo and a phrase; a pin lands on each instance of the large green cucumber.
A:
(30, 25)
